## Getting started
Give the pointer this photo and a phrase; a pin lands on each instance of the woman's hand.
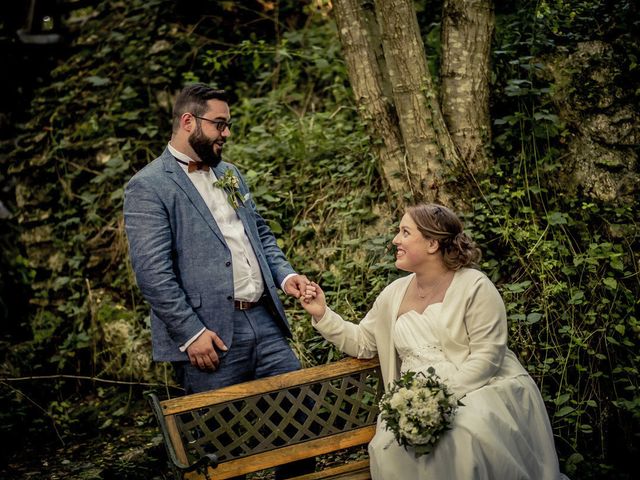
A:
(313, 301)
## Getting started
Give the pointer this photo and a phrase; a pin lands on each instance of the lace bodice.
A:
(416, 340)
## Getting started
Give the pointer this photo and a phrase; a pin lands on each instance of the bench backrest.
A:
(276, 420)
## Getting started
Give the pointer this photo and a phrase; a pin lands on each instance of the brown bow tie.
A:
(193, 166)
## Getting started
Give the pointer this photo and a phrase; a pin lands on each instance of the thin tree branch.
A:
(35, 404)
(83, 377)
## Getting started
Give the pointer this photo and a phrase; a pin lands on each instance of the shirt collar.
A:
(178, 154)
(186, 158)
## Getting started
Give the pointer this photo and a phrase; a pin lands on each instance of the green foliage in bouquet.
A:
(419, 409)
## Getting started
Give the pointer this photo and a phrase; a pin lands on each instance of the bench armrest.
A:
(208, 460)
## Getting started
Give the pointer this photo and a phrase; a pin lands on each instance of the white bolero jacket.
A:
(474, 333)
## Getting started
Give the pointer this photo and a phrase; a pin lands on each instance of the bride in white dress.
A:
(449, 317)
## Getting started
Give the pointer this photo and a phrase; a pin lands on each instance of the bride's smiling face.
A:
(412, 249)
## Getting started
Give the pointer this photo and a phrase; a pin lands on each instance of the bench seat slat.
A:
(288, 454)
(358, 470)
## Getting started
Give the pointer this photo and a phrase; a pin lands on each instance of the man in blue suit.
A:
(204, 259)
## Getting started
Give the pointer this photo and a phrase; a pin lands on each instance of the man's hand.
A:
(296, 285)
(202, 352)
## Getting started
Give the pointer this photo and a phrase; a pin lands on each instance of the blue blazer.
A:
(181, 261)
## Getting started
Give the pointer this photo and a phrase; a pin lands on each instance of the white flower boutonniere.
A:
(230, 184)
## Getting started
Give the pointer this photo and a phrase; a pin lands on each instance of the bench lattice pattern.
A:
(288, 416)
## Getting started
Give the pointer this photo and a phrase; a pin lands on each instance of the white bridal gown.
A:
(501, 433)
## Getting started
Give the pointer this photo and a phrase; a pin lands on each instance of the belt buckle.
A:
(243, 305)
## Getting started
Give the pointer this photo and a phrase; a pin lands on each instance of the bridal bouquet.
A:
(418, 409)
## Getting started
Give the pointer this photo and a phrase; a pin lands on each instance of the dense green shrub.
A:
(566, 265)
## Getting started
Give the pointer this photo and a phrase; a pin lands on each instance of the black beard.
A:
(203, 147)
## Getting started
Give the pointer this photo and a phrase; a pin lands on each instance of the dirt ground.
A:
(134, 453)
(131, 449)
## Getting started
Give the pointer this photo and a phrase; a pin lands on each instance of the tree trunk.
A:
(467, 29)
(387, 65)
(361, 44)
(429, 149)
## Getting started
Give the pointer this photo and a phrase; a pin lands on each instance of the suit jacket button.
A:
(229, 297)
(228, 264)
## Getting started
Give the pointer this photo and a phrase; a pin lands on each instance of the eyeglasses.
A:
(221, 125)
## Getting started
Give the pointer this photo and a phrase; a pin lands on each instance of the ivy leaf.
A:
(616, 263)
(117, 194)
(564, 411)
(577, 298)
(106, 424)
(97, 81)
(276, 228)
(557, 218)
(533, 318)
(120, 412)
(545, 116)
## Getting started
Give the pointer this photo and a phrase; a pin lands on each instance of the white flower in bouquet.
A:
(418, 409)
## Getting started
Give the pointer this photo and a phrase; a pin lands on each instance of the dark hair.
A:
(441, 224)
(193, 99)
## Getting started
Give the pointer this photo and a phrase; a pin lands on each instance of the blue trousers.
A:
(259, 349)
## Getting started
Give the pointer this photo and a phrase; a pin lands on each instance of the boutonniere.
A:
(230, 184)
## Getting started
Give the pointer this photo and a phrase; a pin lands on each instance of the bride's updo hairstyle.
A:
(441, 224)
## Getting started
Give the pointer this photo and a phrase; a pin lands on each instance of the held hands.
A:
(202, 352)
(313, 301)
(296, 285)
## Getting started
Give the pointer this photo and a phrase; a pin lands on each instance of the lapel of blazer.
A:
(180, 178)
(244, 215)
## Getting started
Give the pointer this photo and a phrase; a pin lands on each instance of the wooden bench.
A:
(261, 424)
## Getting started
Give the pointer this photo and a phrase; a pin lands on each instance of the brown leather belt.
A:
(242, 305)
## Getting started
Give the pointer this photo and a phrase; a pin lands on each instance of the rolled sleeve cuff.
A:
(285, 280)
(183, 348)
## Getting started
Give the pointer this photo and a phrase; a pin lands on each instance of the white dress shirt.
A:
(248, 283)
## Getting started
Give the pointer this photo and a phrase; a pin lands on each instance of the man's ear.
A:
(187, 122)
